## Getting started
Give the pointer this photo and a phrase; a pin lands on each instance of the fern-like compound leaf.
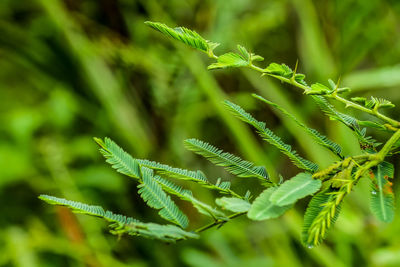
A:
(233, 204)
(187, 195)
(194, 176)
(319, 89)
(321, 214)
(155, 197)
(279, 70)
(232, 163)
(318, 137)
(118, 158)
(126, 164)
(296, 188)
(271, 138)
(121, 224)
(184, 35)
(382, 197)
(229, 60)
(263, 208)
(349, 121)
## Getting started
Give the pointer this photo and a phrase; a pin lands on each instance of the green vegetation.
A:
(339, 178)
(320, 191)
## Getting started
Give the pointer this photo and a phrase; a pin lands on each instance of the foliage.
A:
(341, 176)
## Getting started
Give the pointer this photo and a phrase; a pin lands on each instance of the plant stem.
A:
(218, 222)
(348, 103)
(386, 148)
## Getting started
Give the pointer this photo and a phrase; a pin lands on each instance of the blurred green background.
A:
(71, 70)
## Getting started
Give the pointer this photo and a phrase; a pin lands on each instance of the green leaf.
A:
(382, 197)
(194, 176)
(155, 197)
(271, 138)
(318, 89)
(233, 204)
(121, 224)
(229, 60)
(118, 158)
(243, 51)
(296, 188)
(186, 36)
(319, 138)
(208, 210)
(299, 77)
(263, 208)
(317, 219)
(279, 70)
(351, 122)
(187, 195)
(232, 163)
(374, 102)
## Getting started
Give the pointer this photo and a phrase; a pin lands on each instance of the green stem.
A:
(348, 103)
(218, 222)
(388, 146)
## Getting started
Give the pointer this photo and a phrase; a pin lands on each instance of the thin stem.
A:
(334, 95)
(218, 222)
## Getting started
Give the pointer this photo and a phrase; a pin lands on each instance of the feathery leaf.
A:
(382, 197)
(184, 35)
(321, 214)
(321, 139)
(118, 158)
(155, 197)
(194, 176)
(121, 224)
(229, 60)
(271, 138)
(232, 163)
(187, 195)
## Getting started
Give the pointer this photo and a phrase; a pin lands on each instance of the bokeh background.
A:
(71, 70)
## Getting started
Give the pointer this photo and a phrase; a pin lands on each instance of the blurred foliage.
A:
(71, 70)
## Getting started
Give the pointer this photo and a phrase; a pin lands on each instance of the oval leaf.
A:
(296, 188)
(233, 204)
(262, 208)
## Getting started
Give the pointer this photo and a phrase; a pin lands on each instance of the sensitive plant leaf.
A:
(187, 195)
(373, 102)
(263, 208)
(382, 197)
(300, 78)
(232, 163)
(233, 204)
(296, 188)
(245, 54)
(186, 36)
(194, 176)
(121, 224)
(321, 214)
(318, 137)
(155, 197)
(279, 70)
(372, 124)
(208, 210)
(271, 138)
(229, 60)
(366, 142)
(118, 158)
(318, 89)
